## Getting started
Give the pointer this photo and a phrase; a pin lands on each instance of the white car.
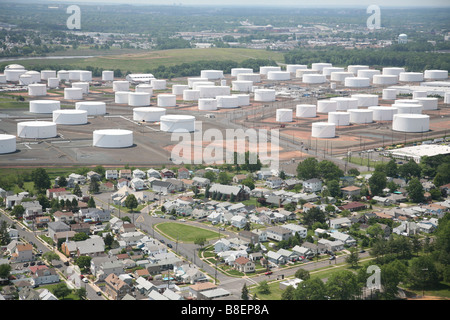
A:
(85, 280)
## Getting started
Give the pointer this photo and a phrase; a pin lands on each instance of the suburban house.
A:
(56, 227)
(107, 187)
(274, 182)
(55, 192)
(288, 255)
(183, 173)
(137, 184)
(251, 237)
(303, 252)
(240, 193)
(200, 182)
(77, 178)
(278, 233)
(22, 253)
(340, 222)
(239, 178)
(115, 287)
(351, 191)
(312, 185)
(92, 175)
(163, 187)
(137, 173)
(166, 173)
(244, 265)
(125, 173)
(44, 276)
(111, 174)
(295, 228)
(353, 206)
(152, 173)
(238, 221)
(276, 258)
(333, 246)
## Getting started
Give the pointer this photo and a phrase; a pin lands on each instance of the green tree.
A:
(244, 292)
(302, 274)
(392, 169)
(377, 183)
(423, 273)
(50, 256)
(62, 182)
(18, 211)
(334, 188)
(4, 234)
(77, 191)
(109, 239)
(308, 169)
(343, 285)
(224, 178)
(409, 170)
(131, 202)
(81, 293)
(329, 170)
(200, 241)
(288, 293)
(80, 236)
(94, 186)
(313, 215)
(391, 275)
(91, 203)
(61, 290)
(311, 289)
(353, 172)
(5, 271)
(353, 258)
(263, 287)
(211, 175)
(41, 179)
(415, 190)
(84, 262)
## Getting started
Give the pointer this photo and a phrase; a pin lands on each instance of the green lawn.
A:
(185, 233)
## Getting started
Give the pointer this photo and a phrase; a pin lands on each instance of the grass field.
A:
(185, 233)
(138, 62)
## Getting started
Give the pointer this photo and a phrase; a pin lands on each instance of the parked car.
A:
(99, 293)
(332, 257)
(169, 245)
(268, 273)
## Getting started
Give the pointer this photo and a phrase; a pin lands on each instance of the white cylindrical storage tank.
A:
(356, 82)
(404, 108)
(333, 85)
(2, 78)
(242, 85)
(138, 99)
(7, 143)
(93, 108)
(148, 114)
(213, 91)
(207, 104)
(73, 93)
(227, 102)
(299, 73)
(389, 94)
(223, 82)
(236, 71)
(36, 129)
(179, 88)
(428, 103)
(345, 103)
(294, 67)
(419, 94)
(360, 116)
(340, 76)
(25, 79)
(107, 75)
(325, 106)
(410, 76)
(254, 77)
(63, 75)
(121, 97)
(158, 84)
(407, 101)
(266, 69)
(211, 74)
(44, 106)
(112, 138)
(411, 122)
(283, 115)
(37, 89)
(81, 85)
(367, 73)
(52, 82)
(305, 111)
(383, 79)
(35, 76)
(74, 75)
(278, 75)
(191, 81)
(392, 71)
(121, 85)
(339, 118)
(382, 113)
(355, 68)
(264, 95)
(191, 95)
(447, 98)
(143, 87)
(86, 75)
(243, 99)
(198, 84)
(45, 74)
(436, 74)
(13, 75)
(323, 130)
(328, 70)
(70, 117)
(314, 78)
(320, 66)
(166, 100)
(366, 100)
(177, 123)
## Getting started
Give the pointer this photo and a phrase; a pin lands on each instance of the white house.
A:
(137, 184)
(295, 228)
(215, 217)
(312, 185)
(221, 245)
(274, 182)
(111, 174)
(340, 222)
(238, 221)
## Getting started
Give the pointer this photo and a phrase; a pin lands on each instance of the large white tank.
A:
(411, 122)
(243, 99)
(254, 77)
(339, 118)
(213, 91)
(179, 88)
(191, 81)
(355, 68)
(314, 78)
(368, 73)
(264, 95)
(52, 82)
(236, 71)
(407, 101)
(242, 85)
(299, 73)
(207, 104)
(93, 108)
(278, 75)
(73, 93)
(121, 97)
(211, 74)
(447, 98)
(366, 100)
(428, 103)
(340, 76)
(86, 75)
(166, 100)
(74, 75)
(356, 82)
(360, 116)
(383, 79)
(177, 123)
(121, 85)
(283, 115)
(345, 103)
(70, 117)
(14, 74)
(325, 106)
(45, 74)
(107, 75)
(191, 95)
(436, 74)
(7, 143)
(419, 94)
(36, 129)
(227, 102)
(37, 89)
(197, 84)
(410, 76)
(148, 114)
(389, 94)
(139, 99)
(319, 66)
(393, 71)
(327, 71)
(63, 75)
(2, 78)
(35, 76)
(383, 113)
(144, 87)
(265, 69)
(323, 130)
(305, 111)
(112, 138)
(44, 106)
(82, 85)
(405, 108)
(294, 67)
(25, 79)
(159, 84)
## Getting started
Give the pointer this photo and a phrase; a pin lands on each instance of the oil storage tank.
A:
(213, 91)
(366, 100)
(405, 108)
(339, 118)
(327, 71)
(112, 138)
(25, 79)
(436, 74)
(323, 130)
(138, 99)
(283, 115)
(211, 74)
(227, 102)
(356, 82)
(410, 77)
(236, 71)
(265, 69)
(144, 87)
(44, 106)
(411, 123)
(389, 94)
(243, 99)
(70, 117)
(63, 75)
(148, 114)
(383, 113)
(52, 82)
(254, 77)
(191, 95)
(305, 111)
(7, 143)
(86, 75)
(345, 103)
(121, 85)
(325, 106)
(37, 89)
(360, 116)
(264, 95)
(121, 97)
(177, 123)
(312, 78)
(242, 85)
(159, 84)
(428, 103)
(191, 81)
(340, 76)
(385, 79)
(278, 75)
(319, 66)
(368, 73)
(392, 71)
(82, 85)
(354, 68)
(179, 88)
(36, 129)
(107, 75)
(73, 93)
(166, 100)
(93, 108)
(207, 104)
(294, 67)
